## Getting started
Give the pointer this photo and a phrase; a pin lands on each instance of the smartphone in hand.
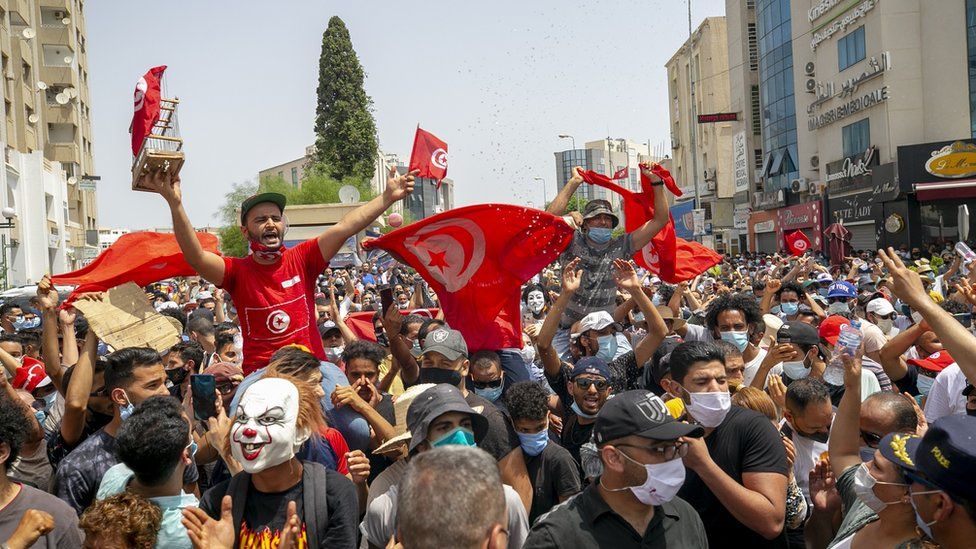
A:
(204, 390)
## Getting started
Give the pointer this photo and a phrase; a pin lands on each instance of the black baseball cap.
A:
(435, 402)
(252, 201)
(945, 456)
(639, 413)
(797, 332)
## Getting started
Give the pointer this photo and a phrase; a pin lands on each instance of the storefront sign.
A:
(799, 216)
(820, 9)
(764, 226)
(768, 199)
(718, 117)
(955, 161)
(740, 162)
(858, 207)
(852, 172)
(740, 217)
(840, 23)
(681, 213)
(850, 108)
(894, 223)
(884, 183)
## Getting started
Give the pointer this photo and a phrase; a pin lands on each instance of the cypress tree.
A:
(344, 126)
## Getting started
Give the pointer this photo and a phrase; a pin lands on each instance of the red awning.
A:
(946, 190)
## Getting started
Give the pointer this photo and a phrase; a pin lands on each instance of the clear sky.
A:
(496, 80)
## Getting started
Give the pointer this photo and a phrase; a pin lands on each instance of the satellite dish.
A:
(28, 33)
(71, 93)
(66, 21)
(72, 180)
(61, 98)
(33, 119)
(348, 194)
(68, 59)
(41, 85)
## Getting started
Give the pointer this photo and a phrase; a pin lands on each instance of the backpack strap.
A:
(315, 506)
(237, 490)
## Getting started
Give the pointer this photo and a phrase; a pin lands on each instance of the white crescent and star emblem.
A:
(650, 257)
(800, 244)
(278, 321)
(439, 158)
(140, 96)
(451, 250)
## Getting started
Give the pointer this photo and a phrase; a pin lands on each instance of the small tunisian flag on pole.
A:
(429, 156)
(146, 106)
(477, 258)
(798, 243)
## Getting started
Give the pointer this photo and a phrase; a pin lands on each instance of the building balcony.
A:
(60, 114)
(63, 152)
(59, 75)
(57, 33)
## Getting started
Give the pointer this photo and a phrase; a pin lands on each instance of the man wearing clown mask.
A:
(278, 497)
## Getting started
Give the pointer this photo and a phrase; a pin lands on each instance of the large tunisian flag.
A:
(673, 259)
(476, 258)
(142, 258)
(429, 156)
(146, 106)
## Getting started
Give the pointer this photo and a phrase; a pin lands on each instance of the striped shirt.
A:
(597, 291)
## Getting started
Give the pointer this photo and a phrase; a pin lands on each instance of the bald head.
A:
(885, 412)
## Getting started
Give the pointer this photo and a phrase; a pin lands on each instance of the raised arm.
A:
(409, 369)
(570, 283)
(645, 233)
(772, 286)
(626, 279)
(397, 188)
(347, 334)
(209, 265)
(892, 360)
(77, 392)
(558, 205)
(845, 439)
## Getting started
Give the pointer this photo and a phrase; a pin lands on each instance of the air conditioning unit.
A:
(709, 175)
(799, 185)
(815, 161)
(811, 85)
(810, 69)
(710, 185)
(60, 14)
(818, 188)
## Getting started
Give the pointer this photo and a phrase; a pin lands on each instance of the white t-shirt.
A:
(752, 368)
(808, 453)
(874, 338)
(945, 397)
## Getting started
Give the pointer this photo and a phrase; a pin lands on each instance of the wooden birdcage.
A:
(163, 148)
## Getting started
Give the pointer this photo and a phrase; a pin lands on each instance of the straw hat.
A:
(667, 314)
(400, 407)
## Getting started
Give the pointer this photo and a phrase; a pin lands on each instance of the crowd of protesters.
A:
(772, 401)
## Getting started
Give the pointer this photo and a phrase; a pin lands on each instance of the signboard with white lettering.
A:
(740, 162)
(839, 23)
(740, 217)
(851, 173)
(854, 208)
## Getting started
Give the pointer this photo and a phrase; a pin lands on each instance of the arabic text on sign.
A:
(841, 24)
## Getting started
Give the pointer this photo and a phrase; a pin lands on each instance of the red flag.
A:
(146, 106)
(798, 243)
(476, 258)
(429, 156)
(361, 323)
(142, 258)
(673, 259)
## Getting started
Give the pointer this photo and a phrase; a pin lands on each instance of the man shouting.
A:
(273, 287)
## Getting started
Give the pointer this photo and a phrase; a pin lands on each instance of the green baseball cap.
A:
(252, 201)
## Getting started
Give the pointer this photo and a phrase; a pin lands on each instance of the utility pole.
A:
(693, 123)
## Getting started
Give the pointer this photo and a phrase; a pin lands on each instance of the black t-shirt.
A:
(554, 474)
(574, 434)
(746, 442)
(909, 383)
(265, 512)
(501, 438)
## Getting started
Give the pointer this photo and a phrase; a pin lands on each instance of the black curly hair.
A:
(790, 287)
(364, 349)
(13, 427)
(527, 400)
(152, 440)
(954, 307)
(732, 302)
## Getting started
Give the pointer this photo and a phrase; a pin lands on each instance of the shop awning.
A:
(940, 190)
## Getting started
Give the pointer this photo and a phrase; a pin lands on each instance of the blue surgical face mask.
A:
(739, 339)
(776, 309)
(40, 415)
(490, 393)
(126, 411)
(599, 235)
(924, 526)
(458, 436)
(534, 444)
(790, 308)
(924, 384)
(193, 448)
(26, 323)
(608, 347)
(578, 411)
(49, 400)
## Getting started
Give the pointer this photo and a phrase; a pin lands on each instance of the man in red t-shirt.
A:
(273, 287)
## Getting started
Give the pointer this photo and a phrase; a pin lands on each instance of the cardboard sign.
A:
(126, 319)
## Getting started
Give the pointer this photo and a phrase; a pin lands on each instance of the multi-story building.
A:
(704, 59)
(606, 156)
(292, 172)
(884, 95)
(747, 157)
(46, 109)
(108, 236)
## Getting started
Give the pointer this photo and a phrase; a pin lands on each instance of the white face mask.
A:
(265, 431)
(535, 301)
(885, 324)
(795, 369)
(709, 409)
(864, 489)
(662, 483)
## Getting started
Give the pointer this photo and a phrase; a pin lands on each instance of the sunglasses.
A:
(667, 452)
(226, 387)
(585, 383)
(487, 384)
(871, 439)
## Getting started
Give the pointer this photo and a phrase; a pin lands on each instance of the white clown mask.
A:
(265, 431)
(535, 301)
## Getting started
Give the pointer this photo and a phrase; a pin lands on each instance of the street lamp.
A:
(9, 214)
(565, 136)
(545, 199)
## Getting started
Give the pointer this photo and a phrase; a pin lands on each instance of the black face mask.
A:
(177, 376)
(381, 338)
(816, 437)
(439, 375)
(971, 412)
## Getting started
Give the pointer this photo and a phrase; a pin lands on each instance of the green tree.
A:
(344, 127)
